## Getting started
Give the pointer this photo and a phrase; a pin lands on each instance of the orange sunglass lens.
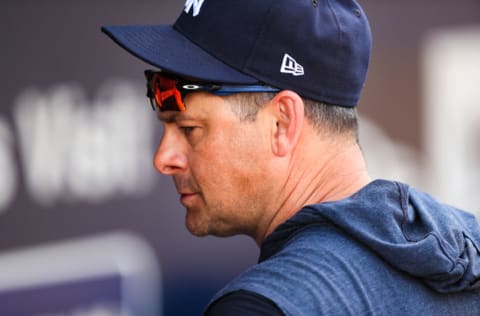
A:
(167, 96)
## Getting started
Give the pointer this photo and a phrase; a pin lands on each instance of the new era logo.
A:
(196, 4)
(290, 66)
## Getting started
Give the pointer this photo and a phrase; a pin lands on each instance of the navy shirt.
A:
(244, 303)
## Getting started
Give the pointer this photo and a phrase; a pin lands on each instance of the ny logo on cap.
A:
(196, 4)
(290, 66)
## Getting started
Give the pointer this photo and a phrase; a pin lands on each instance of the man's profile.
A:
(258, 103)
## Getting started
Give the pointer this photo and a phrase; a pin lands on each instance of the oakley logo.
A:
(290, 66)
(196, 4)
(191, 87)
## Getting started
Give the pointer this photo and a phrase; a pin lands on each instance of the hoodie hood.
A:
(414, 233)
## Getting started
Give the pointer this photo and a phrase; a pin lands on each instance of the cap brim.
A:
(163, 47)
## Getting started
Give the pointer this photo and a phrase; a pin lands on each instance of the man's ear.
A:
(288, 111)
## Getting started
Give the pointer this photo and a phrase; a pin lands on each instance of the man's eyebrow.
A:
(175, 117)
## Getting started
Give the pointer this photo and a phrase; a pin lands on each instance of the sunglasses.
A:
(167, 92)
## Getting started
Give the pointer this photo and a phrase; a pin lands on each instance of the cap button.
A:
(315, 3)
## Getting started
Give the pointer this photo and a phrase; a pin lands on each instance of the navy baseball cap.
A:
(317, 48)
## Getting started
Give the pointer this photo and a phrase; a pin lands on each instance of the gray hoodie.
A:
(386, 250)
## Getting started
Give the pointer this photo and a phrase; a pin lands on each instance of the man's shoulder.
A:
(319, 270)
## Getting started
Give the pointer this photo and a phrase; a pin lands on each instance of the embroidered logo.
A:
(196, 4)
(290, 66)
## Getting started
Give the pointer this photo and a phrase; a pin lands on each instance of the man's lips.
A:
(186, 197)
(185, 189)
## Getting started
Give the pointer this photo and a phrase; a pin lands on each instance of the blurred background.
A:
(83, 212)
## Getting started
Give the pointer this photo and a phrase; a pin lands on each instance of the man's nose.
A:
(170, 159)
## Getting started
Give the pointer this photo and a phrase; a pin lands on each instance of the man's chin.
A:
(197, 233)
(196, 228)
(206, 230)
(202, 226)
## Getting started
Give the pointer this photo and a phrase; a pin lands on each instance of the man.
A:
(257, 99)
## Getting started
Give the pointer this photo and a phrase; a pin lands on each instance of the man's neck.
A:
(322, 176)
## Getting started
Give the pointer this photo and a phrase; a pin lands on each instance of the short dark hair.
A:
(333, 119)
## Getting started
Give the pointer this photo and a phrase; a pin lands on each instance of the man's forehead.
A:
(198, 106)
(192, 113)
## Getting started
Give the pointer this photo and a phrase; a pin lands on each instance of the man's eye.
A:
(187, 130)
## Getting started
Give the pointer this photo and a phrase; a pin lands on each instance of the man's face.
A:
(219, 165)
